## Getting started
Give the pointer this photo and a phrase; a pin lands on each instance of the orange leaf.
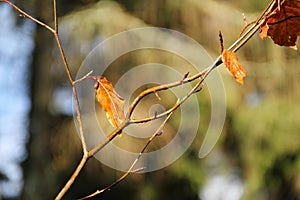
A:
(109, 100)
(231, 62)
(264, 32)
(283, 25)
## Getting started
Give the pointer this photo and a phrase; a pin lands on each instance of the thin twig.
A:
(245, 27)
(78, 113)
(55, 16)
(108, 139)
(221, 41)
(83, 78)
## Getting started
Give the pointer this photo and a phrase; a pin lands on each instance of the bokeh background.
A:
(256, 157)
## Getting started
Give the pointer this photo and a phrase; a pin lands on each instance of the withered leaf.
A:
(264, 31)
(109, 100)
(232, 64)
(283, 24)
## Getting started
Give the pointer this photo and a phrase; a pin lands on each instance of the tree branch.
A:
(201, 76)
(71, 180)
(25, 15)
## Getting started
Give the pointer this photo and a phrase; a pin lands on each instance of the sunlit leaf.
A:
(234, 66)
(109, 100)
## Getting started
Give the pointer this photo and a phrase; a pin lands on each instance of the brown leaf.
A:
(231, 62)
(109, 100)
(283, 25)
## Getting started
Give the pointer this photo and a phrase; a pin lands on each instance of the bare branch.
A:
(55, 16)
(245, 27)
(108, 139)
(25, 15)
(75, 174)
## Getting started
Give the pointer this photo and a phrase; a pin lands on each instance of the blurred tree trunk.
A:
(52, 137)
(38, 176)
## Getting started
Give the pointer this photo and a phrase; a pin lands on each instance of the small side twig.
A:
(185, 76)
(245, 27)
(221, 41)
(83, 78)
(157, 96)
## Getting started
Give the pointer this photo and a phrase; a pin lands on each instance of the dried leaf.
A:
(109, 100)
(264, 32)
(283, 25)
(234, 66)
